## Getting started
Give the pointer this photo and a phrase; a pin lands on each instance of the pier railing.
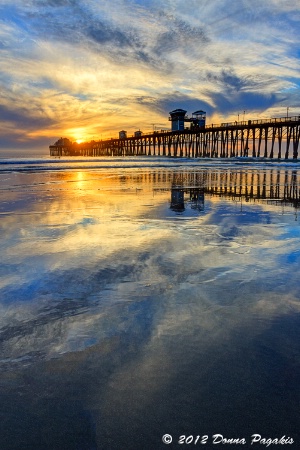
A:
(278, 120)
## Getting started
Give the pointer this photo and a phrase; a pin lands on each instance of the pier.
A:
(266, 138)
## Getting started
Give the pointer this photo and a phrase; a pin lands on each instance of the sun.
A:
(77, 135)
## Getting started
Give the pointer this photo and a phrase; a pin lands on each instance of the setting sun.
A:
(79, 134)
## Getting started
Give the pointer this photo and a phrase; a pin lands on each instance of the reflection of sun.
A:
(80, 180)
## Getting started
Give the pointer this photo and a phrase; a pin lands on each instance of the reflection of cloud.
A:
(97, 246)
(77, 61)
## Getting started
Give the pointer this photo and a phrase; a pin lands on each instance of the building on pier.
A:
(123, 134)
(179, 118)
(198, 119)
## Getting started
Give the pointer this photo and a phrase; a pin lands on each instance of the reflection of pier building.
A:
(268, 138)
(177, 199)
(195, 197)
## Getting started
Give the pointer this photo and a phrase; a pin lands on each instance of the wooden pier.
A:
(267, 138)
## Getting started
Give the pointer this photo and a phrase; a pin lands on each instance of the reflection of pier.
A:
(270, 138)
(274, 186)
(278, 186)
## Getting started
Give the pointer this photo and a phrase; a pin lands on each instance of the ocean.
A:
(149, 303)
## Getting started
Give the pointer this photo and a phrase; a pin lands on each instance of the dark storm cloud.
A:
(249, 101)
(16, 142)
(71, 21)
(23, 118)
(129, 56)
(56, 3)
(102, 34)
(228, 79)
(180, 34)
(241, 92)
(223, 104)
(177, 100)
(61, 20)
(17, 122)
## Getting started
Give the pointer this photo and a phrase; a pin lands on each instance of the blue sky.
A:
(87, 69)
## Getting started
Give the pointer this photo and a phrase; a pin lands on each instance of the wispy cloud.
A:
(69, 65)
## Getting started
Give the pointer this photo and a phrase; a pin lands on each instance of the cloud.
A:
(23, 117)
(82, 60)
(180, 34)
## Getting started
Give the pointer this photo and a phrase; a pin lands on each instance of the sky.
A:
(86, 69)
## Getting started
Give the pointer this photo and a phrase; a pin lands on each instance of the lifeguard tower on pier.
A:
(178, 118)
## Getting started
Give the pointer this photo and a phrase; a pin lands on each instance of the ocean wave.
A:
(45, 163)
